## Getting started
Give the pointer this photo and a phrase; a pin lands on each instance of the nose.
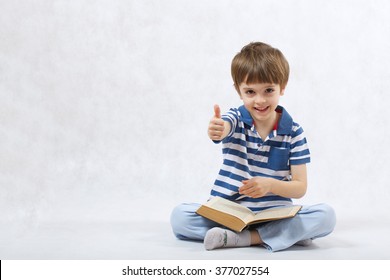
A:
(259, 99)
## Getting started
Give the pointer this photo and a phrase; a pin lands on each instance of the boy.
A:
(265, 156)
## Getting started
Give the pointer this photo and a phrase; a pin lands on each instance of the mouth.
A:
(261, 109)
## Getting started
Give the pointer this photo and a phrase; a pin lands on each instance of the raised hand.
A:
(217, 125)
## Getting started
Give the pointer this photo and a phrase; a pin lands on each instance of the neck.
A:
(265, 127)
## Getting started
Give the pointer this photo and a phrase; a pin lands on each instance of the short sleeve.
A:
(299, 150)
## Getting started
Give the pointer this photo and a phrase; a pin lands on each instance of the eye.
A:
(249, 92)
(269, 90)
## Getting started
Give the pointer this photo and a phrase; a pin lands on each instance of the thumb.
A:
(217, 111)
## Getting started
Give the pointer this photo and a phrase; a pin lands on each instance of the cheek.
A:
(246, 101)
(275, 99)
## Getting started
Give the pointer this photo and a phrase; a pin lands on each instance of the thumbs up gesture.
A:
(217, 111)
(217, 127)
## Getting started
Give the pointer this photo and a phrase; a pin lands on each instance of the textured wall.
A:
(105, 104)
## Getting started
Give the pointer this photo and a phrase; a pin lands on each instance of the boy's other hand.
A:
(256, 187)
(217, 125)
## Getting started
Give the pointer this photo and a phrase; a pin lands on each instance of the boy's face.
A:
(261, 100)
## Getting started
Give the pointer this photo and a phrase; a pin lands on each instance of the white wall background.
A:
(105, 104)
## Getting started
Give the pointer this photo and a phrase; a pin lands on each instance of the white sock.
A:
(306, 242)
(220, 237)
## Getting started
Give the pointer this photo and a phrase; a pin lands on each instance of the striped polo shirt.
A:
(247, 155)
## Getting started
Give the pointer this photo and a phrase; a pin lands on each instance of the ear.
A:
(282, 91)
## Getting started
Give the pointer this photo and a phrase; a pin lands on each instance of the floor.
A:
(352, 240)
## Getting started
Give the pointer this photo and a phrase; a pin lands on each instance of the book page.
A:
(277, 212)
(230, 207)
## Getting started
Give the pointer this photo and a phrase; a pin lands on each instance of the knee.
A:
(326, 217)
(176, 217)
(179, 220)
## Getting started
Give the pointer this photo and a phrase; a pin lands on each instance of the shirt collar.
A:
(285, 123)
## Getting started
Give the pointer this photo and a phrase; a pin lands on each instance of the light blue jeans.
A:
(311, 222)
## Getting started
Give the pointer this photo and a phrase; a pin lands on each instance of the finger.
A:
(218, 123)
(215, 130)
(253, 192)
(244, 188)
(217, 111)
(215, 137)
(249, 192)
(215, 134)
(248, 183)
(216, 127)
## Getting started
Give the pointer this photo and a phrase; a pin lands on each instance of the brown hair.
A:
(260, 63)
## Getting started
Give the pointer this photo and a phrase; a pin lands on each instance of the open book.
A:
(238, 217)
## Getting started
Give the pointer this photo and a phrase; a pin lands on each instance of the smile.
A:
(261, 110)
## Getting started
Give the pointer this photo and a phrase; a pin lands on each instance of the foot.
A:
(220, 237)
(306, 242)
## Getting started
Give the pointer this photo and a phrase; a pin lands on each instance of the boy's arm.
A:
(218, 128)
(260, 186)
